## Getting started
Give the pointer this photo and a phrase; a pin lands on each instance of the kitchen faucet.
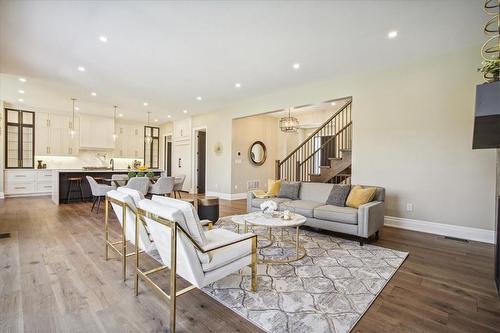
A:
(112, 162)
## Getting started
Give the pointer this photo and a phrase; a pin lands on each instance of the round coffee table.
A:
(263, 220)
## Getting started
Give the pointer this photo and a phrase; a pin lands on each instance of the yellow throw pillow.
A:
(359, 196)
(273, 187)
(260, 194)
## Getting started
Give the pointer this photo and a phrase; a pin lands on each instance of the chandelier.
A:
(148, 138)
(289, 124)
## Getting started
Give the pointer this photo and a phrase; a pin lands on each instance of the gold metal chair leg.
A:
(297, 242)
(173, 279)
(124, 243)
(254, 264)
(106, 229)
(136, 281)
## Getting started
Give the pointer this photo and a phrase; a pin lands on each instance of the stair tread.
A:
(335, 158)
(346, 150)
(325, 167)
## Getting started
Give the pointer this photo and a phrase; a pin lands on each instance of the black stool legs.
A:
(75, 185)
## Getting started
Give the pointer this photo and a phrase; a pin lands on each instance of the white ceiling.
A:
(167, 53)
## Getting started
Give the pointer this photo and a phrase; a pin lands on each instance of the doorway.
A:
(201, 155)
(167, 154)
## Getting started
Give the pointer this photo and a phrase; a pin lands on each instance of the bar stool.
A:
(99, 179)
(75, 185)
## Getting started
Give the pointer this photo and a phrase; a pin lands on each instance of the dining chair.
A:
(200, 257)
(140, 184)
(163, 186)
(178, 184)
(119, 180)
(98, 192)
(124, 203)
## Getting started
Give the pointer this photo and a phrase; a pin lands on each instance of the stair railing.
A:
(336, 133)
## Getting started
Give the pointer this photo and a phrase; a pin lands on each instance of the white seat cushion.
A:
(302, 207)
(228, 254)
(337, 214)
(134, 194)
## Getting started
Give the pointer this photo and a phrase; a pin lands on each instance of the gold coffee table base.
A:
(300, 251)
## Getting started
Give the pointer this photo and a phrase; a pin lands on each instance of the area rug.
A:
(326, 291)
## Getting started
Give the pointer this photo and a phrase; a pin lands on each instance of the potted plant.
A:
(150, 174)
(140, 174)
(132, 174)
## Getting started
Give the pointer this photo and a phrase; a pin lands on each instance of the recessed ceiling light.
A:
(81, 68)
(237, 85)
(145, 103)
(20, 91)
(20, 100)
(169, 116)
(199, 98)
(156, 120)
(392, 34)
(185, 111)
(120, 115)
(77, 108)
(93, 94)
(22, 79)
(103, 39)
(333, 103)
(296, 65)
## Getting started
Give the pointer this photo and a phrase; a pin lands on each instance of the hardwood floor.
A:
(53, 278)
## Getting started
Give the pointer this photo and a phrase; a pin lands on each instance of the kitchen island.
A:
(60, 183)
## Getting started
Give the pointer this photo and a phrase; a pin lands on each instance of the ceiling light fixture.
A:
(199, 98)
(120, 115)
(20, 91)
(185, 111)
(333, 103)
(81, 68)
(72, 125)
(22, 79)
(156, 120)
(20, 100)
(93, 94)
(145, 103)
(237, 85)
(296, 65)
(148, 138)
(114, 122)
(392, 34)
(289, 124)
(77, 108)
(103, 39)
(169, 116)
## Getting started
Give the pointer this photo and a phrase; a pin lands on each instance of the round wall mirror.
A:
(258, 153)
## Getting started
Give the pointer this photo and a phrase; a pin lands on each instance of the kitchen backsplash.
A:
(84, 159)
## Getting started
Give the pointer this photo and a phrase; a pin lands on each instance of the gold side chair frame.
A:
(123, 242)
(175, 228)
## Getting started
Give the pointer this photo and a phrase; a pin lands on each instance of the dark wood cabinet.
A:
(19, 139)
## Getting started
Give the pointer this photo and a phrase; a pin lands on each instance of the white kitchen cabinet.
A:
(130, 140)
(96, 132)
(53, 135)
(28, 182)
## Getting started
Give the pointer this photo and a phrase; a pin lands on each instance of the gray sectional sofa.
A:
(362, 222)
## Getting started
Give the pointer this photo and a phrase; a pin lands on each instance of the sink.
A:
(96, 168)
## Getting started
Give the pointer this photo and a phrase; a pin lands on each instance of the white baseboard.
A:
(474, 234)
(228, 196)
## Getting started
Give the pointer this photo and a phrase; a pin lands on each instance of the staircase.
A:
(325, 156)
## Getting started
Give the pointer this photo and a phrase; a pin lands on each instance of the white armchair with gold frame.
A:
(123, 201)
(200, 257)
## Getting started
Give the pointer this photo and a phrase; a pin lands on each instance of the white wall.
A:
(245, 132)
(412, 134)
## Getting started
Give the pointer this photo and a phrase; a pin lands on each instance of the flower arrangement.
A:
(142, 168)
(490, 70)
(268, 207)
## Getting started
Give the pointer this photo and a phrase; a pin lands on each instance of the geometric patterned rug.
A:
(326, 291)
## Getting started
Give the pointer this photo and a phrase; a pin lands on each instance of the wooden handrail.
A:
(327, 142)
(347, 103)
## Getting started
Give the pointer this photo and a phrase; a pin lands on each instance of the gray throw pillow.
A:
(338, 195)
(289, 190)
